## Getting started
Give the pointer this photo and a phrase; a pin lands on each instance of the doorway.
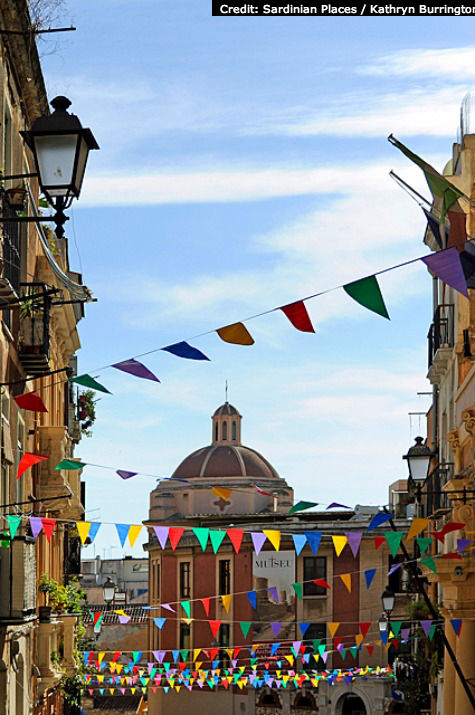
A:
(352, 705)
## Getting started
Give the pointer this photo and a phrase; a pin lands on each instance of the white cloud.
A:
(449, 63)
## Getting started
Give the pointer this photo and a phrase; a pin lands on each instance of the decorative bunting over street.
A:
(367, 293)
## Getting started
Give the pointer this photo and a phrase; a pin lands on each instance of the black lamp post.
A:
(387, 599)
(60, 147)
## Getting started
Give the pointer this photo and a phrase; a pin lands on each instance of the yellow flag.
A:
(134, 531)
(333, 627)
(187, 620)
(83, 529)
(417, 526)
(290, 658)
(339, 542)
(226, 602)
(198, 665)
(221, 492)
(236, 333)
(346, 578)
(100, 656)
(274, 537)
(358, 639)
(196, 653)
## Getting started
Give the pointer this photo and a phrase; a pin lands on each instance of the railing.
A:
(10, 243)
(435, 499)
(441, 332)
(34, 328)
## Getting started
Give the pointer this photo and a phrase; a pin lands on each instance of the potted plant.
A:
(17, 197)
(46, 587)
(32, 323)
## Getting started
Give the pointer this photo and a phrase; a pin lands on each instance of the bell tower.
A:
(226, 426)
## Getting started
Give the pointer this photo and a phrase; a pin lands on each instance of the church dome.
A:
(220, 460)
(226, 456)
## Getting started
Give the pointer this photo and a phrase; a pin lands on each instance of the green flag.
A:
(432, 631)
(366, 292)
(394, 541)
(438, 184)
(186, 605)
(184, 654)
(301, 505)
(354, 651)
(70, 464)
(202, 536)
(216, 537)
(245, 626)
(13, 524)
(430, 563)
(395, 627)
(298, 590)
(88, 381)
(423, 543)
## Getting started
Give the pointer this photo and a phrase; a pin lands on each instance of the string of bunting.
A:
(445, 264)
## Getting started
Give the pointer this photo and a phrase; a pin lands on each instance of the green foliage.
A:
(87, 397)
(67, 598)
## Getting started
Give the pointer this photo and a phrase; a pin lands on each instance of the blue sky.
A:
(244, 164)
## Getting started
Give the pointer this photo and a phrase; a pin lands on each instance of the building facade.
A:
(38, 340)
(451, 435)
(129, 576)
(193, 573)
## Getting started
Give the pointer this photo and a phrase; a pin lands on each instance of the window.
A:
(314, 567)
(216, 432)
(185, 636)
(224, 586)
(234, 429)
(225, 430)
(315, 635)
(397, 581)
(185, 579)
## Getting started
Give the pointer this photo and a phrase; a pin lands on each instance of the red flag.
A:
(446, 529)
(336, 641)
(214, 625)
(452, 555)
(213, 652)
(458, 228)
(48, 527)
(205, 602)
(235, 536)
(236, 652)
(378, 540)
(298, 316)
(31, 401)
(321, 582)
(27, 461)
(175, 534)
(261, 491)
(364, 628)
(370, 649)
(97, 615)
(116, 656)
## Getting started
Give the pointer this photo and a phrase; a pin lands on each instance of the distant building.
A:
(129, 575)
(189, 573)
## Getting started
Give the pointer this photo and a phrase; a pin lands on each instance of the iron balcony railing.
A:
(435, 499)
(441, 332)
(34, 329)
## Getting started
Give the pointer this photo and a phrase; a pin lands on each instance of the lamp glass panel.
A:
(388, 602)
(83, 151)
(418, 467)
(55, 155)
(108, 593)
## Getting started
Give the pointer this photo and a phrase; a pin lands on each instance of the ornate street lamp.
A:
(418, 460)
(387, 599)
(383, 623)
(108, 590)
(60, 146)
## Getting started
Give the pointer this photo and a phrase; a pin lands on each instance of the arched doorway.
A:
(351, 704)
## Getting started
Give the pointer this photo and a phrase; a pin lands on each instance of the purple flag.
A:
(462, 544)
(426, 626)
(336, 504)
(405, 633)
(354, 541)
(167, 607)
(159, 655)
(324, 656)
(134, 367)
(296, 646)
(123, 620)
(394, 568)
(35, 525)
(447, 266)
(273, 592)
(276, 628)
(124, 474)
(258, 539)
(162, 534)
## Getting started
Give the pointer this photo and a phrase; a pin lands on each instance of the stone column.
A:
(465, 650)
(449, 672)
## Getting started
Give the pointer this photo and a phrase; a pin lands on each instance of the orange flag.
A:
(417, 526)
(346, 578)
(221, 492)
(236, 333)
(333, 627)
(226, 602)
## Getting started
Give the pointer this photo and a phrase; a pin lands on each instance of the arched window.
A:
(269, 699)
(225, 430)
(305, 702)
(234, 428)
(216, 432)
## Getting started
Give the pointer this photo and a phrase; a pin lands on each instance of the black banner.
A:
(305, 9)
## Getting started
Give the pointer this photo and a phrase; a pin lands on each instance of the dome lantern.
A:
(226, 425)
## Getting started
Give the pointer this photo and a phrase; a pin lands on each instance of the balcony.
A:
(55, 650)
(437, 501)
(10, 260)
(34, 329)
(440, 343)
(18, 581)
(56, 443)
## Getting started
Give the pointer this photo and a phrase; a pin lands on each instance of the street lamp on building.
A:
(383, 623)
(388, 599)
(108, 590)
(418, 461)
(60, 147)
